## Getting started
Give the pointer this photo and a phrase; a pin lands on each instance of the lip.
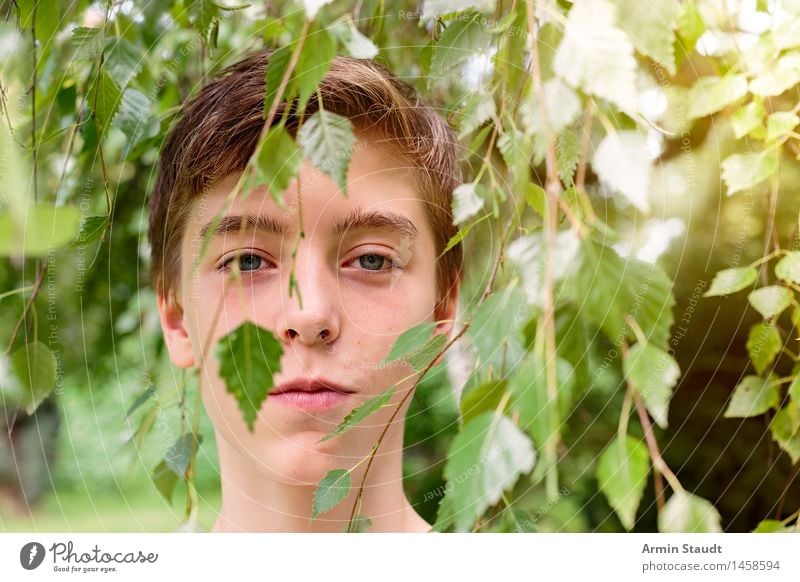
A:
(310, 393)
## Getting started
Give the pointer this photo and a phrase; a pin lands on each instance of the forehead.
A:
(380, 190)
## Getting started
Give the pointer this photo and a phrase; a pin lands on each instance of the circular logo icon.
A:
(31, 555)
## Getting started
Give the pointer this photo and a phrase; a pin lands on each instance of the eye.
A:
(248, 262)
(376, 262)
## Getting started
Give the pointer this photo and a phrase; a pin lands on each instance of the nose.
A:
(310, 316)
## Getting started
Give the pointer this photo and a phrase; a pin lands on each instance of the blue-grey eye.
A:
(249, 262)
(372, 262)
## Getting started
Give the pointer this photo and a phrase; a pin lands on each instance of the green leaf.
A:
(780, 124)
(596, 55)
(419, 360)
(623, 164)
(91, 229)
(104, 99)
(711, 94)
(179, 456)
(478, 109)
(781, 76)
(622, 476)
(747, 118)
(276, 69)
(276, 171)
(417, 346)
(742, 171)
(468, 200)
(654, 374)
(46, 228)
(48, 15)
(462, 233)
(87, 42)
(785, 429)
(141, 399)
(763, 345)
(568, 155)
(607, 288)
(327, 140)
(528, 387)
(410, 341)
(360, 524)
(484, 397)
(731, 280)
(771, 526)
(331, 491)
(495, 333)
(794, 389)
(516, 150)
(688, 513)
(650, 26)
(165, 480)
(204, 16)
(517, 520)
(691, 25)
(133, 115)
(123, 61)
(485, 459)
(434, 8)
(536, 198)
(462, 39)
(249, 357)
(770, 301)
(34, 369)
(563, 106)
(360, 413)
(312, 7)
(753, 396)
(357, 45)
(788, 268)
(314, 63)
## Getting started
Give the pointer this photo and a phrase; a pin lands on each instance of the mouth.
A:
(312, 394)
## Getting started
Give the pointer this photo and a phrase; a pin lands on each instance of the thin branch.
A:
(36, 288)
(655, 455)
(553, 189)
(357, 503)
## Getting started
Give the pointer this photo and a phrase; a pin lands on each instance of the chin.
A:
(300, 460)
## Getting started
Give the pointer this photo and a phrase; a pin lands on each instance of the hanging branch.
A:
(553, 190)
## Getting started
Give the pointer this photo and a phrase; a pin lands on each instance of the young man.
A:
(366, 268)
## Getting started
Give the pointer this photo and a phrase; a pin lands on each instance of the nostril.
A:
(292, 334)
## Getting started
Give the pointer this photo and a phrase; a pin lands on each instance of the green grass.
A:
(80, 511)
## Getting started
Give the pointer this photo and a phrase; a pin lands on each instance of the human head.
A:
(218, 131)
(405, 162)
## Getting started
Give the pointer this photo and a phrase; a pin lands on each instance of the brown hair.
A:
(218, 131)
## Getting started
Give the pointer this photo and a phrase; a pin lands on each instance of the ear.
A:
(176, 336)
(445, 313)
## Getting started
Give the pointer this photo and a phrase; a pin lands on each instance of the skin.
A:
(365, 302)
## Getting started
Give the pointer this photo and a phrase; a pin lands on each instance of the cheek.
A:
(377, 317)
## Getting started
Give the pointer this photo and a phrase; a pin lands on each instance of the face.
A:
(365, 272)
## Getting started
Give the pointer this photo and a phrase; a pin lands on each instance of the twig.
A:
(553, 190)
(360, 493)
(36, 287)
(652, 445)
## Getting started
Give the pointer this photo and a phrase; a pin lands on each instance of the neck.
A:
(256, 501)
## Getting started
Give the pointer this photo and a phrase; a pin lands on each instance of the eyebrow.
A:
(370, 219)
(233, 223)
(358, 219)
